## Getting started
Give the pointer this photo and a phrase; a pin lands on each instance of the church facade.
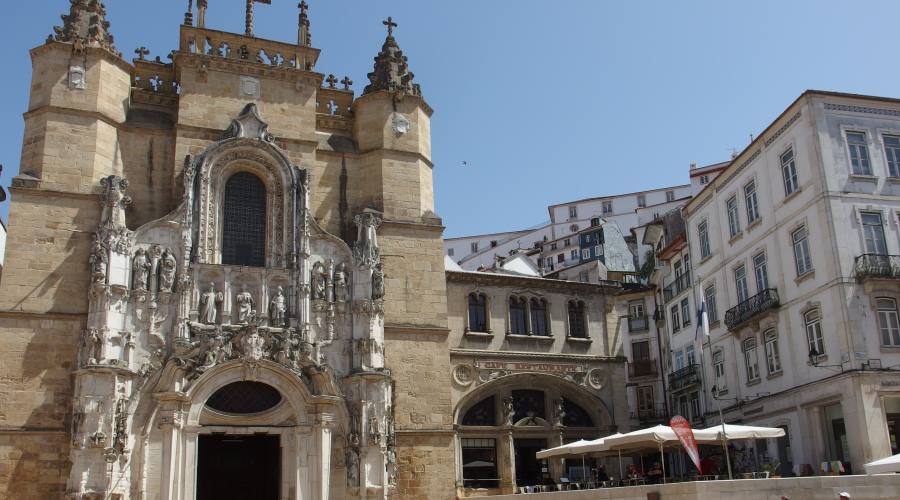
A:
(225, 279)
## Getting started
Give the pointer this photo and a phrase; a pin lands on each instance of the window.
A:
(493, 243)
(873, 233)
(888, 322)
(482, 413)
(676, 319)
(789, 173)
(740, 283)
(704, 179)
(573, 212)
(553, 246)
(584, 277)
(540, 262)
(585, 253)
(636, 309)
(575, 416)
(734, 221)
(689, 355)
(480, 455)
(750, 360)
(539, 322)
(712, 311)
(645, 398)
(687, 269)
(244, 227)
(760, 269)
(802, 259)
(474, 247)
(695, 406)
(595, 222)
(561, 258)
(892, 151)
(703, 235)
(859, 153)
(567, 242)
(450, 252)
(679, 360)
(517, 322)
(477, 312)
(573, 254)
(573, 228)
(773, 357)
(577, 320)
(685, 312)
(598, 250)
(751, 201)
(528, 403)
(642, 201)
(670, 195)
(640, 351)
(814, 338)
(607, 207)
(719, 365)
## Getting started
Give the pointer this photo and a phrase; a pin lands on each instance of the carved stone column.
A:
(322, 435)
(171, 422)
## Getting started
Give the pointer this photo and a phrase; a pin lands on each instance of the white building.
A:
(791, 249)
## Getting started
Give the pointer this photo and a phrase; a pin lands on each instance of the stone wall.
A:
(427, 463)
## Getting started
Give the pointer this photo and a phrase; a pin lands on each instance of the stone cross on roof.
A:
(142, 53)
(389, 22)
(347, 82)
(331, 81)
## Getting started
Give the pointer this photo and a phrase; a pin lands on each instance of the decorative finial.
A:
(249, 27)
(390, 25)
(142, 53)
(331, 81)
(189, 15)
(347, 82)
(304, 37)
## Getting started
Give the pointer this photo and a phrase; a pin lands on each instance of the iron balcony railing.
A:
(642, 368)
(871, 265)
(684, 378)
(638, 324)
(677, 286)
(751, 308)
(651, 415)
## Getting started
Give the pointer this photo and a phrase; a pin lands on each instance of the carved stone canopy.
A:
(249, 125)
(391, 71)
(85, 23)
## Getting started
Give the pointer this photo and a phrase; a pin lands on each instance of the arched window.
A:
(477, 313)
(539, 317)
(577, 322)
(244, 225)
(483, 413)
(576, 416)
(528, 404)
(750, 360)
(518, 324)
(245, 397)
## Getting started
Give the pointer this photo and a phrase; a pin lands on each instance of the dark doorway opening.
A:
(238, 468)
(529, 470)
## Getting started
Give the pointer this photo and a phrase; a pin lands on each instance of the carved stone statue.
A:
(378, 282)
(114, 201)
(209, 302)
(366, 251)
(99, 262)
(353, 468)
(374, 431)
(277, 308)
(120, 438)
(559, 411)
(167, 268)
(318, 281)
(93, 346)
(245, 305)
(140, 269)
(508, 411)
(390, 465)
(253, 344)
(341, 293)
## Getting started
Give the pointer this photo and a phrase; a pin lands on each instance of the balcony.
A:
(659, 314)
(684, 378)
(651, 416)
(642, 368)
(877, 266)
(680, 284)
(637, 324)
(751, 308)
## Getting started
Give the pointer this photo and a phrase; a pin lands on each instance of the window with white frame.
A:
(789, 172)
(859, 153)
(474, 247)
(567, 242)
(685, 312)
(740, 283)
(573, 212)
(645, 398)
(703, 236)
(751, 201)
(573, 254)
(598, 250)
(670, 196)
(734, 220)
(892, 152)
(561, 258)
(888, 322)
(814, 339)
(689, 355)
(642, 201)
(577, 319)
(719, 366)
(751, 361)
(607, 207)
(802, 259)
(773, 357)
(686, 261)
(679, 359)
(676, 319)
(585, 253)
(695, 406)
(873, 233)
(712, 311)
(760, 270)
(636, 309)
(704, 179)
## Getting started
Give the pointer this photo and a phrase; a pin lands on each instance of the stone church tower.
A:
(224, 276)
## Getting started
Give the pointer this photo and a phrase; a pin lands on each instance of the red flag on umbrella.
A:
(682, 429)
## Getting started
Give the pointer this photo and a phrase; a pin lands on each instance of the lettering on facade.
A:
(573, 372)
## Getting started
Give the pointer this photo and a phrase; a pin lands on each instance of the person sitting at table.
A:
(655, 473)
(632, 472)
(601, 474)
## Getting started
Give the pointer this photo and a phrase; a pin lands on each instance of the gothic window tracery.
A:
(244, 227)
(483, 413)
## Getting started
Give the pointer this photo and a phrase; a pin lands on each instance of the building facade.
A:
(231, 284)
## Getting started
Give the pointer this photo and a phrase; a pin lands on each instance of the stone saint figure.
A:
(508, 411)
(318, 281)
(277, 308)
(99, 263)
(366, 249)
(209, 301)
(245, 306)
(340, 283)
(167, 266)
(378, 282)
(141, 270)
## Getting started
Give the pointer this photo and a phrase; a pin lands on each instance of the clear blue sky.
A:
(546, 101)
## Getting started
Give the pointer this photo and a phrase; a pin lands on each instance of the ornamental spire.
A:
(85, 23)
(304, 37)
(391, 71)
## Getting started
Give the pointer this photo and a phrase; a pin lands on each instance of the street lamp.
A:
(814, 356)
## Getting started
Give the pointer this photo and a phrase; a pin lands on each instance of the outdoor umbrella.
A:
(884, 466)
(652, 437)
(729, 432)
(564, 450)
